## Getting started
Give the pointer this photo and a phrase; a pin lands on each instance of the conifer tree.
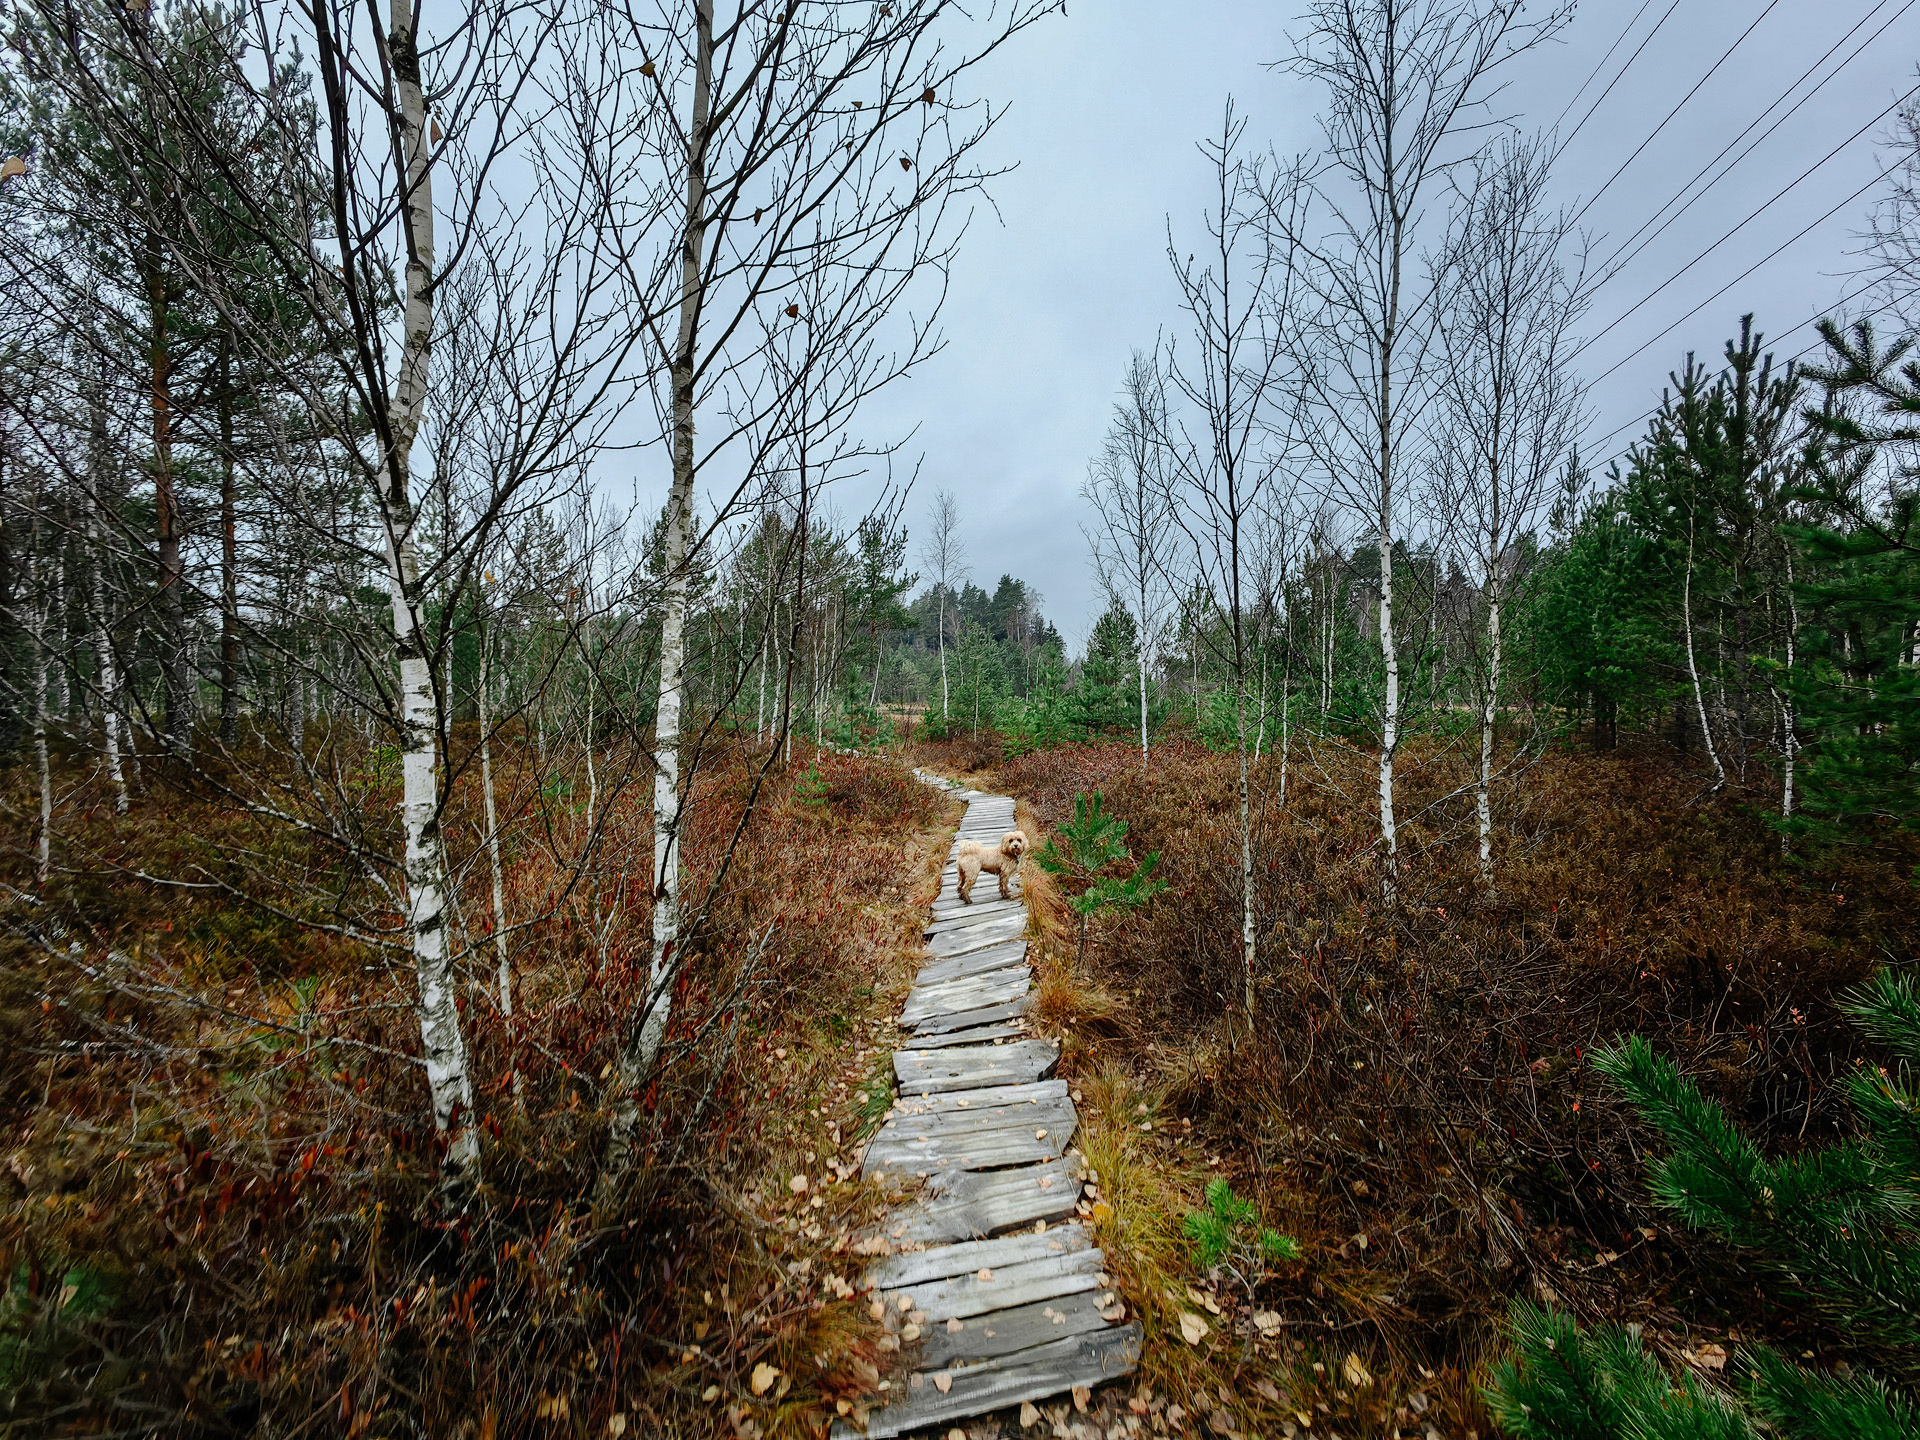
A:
(1837, 1227)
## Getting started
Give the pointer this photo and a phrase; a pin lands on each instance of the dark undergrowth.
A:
(222, 1211)
(1410, 1094)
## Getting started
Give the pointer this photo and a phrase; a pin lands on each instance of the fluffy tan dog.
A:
(1002, 860)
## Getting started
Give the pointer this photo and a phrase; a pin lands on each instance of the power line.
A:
(1724, 56)
(1831, 311)
(1609, 266)
(1616, 79)
(1593, 74)
(1752, 216)
(1743, 275)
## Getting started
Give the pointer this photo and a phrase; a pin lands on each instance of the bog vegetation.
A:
(449, 922)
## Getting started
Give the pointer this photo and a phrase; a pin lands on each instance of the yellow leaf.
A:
(763, 1377)
(616, 1425)
(1357, 1374)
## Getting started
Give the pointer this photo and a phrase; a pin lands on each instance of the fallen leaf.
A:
(1711, 1356)
(1357, 1374)
(616, 1424)
(910, 1333)
(710, 1394)
(954, 1327)
(798, 1184)
(1266, 1389)
(1192, 1328)
(943, 1382)
(763, 1377)
(983, 1275)
(1028, 1415)
(1267, 1322)
(1081, 1396)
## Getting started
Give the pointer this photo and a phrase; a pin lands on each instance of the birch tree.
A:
(781, 143)
(945, 556)
(1237, 291)
(1510, 405)
(1407, 86)
(1127, 485)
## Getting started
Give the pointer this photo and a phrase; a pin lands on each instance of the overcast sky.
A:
(1105, 106)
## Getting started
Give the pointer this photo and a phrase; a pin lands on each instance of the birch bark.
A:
(643, 1045)
(106, 669)
(443, 1045)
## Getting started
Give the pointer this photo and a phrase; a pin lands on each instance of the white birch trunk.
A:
(945, 711)
(645, 1039)
(443, 1046)
(1789, 740)
(107, 676)
(1693, 670)
(505, 970)
(1390, 716)
(42, 769)
(1483, 789)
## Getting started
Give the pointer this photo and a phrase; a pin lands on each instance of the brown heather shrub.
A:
(221, 1210)
(1419, 1077)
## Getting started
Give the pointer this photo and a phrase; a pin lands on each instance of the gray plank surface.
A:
(1001, 1332)
(978, 1204)
(1035, 1374)
(959, 1297)
(921, 1266)
(979, 1035)
(956, 997)
(947, 1021)
(970, 1067)
(973, 962)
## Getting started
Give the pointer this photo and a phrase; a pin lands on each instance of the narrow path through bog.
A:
(984, 1271)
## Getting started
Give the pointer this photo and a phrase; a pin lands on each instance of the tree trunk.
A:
(229, 566)
(945, 711)
(643, 1042)
(443, 1045)
(493, 837)
(1483, 790)
(107, 676)
(1693, 670)
(172, 607)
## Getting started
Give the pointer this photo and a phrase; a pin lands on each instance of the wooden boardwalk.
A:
(991, 1283)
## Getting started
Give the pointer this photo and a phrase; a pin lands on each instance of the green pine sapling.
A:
(1095, 841)
(1837, 1227)
(1226, 1232)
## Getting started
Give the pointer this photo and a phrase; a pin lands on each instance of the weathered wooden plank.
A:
(1049, 1114)
(970, 1067)
(1001, 1332)
(977, 937)
(959, 1297)
(996, 987)
(979, 1035)
(1005, 912)
(920, 1267)
(953, 915)
(981, 912)
(975, 1204)
(965, 1150)
(1038, 1092)
(945, 1022)
(973, 962)
(1035, 1374)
